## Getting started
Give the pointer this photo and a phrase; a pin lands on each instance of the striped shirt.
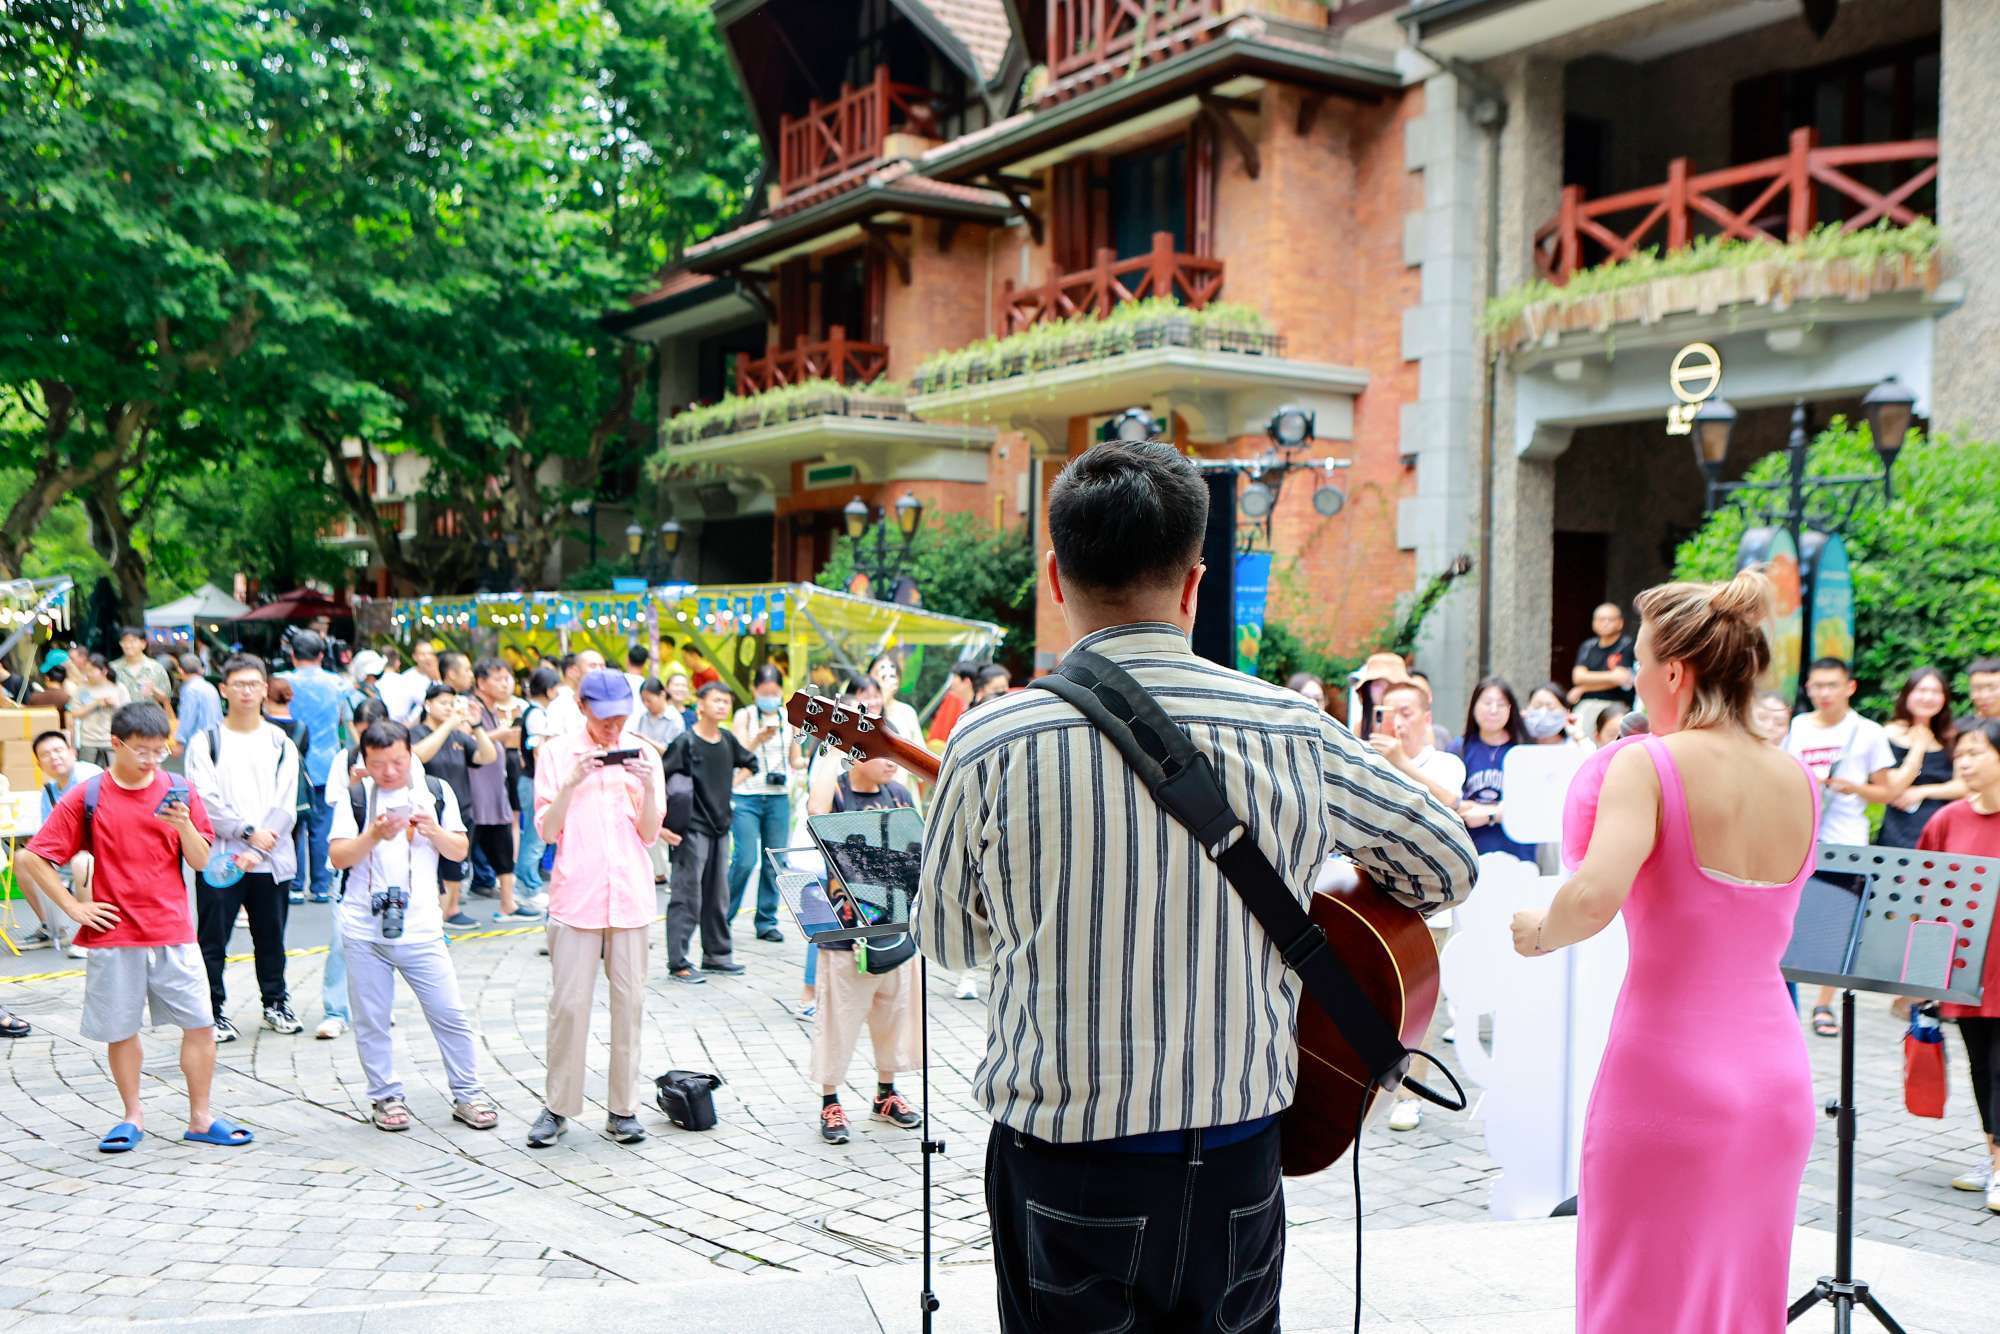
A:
(1132, 990)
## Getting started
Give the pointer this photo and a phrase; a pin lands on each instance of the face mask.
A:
(767, 703)
(1543, 723)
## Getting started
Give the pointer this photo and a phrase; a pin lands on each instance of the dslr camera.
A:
(390, 903)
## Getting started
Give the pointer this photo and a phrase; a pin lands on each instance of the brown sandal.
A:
(477, 1113)
(391, 1114)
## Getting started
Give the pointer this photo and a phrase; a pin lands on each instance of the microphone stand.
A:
(927, 1300)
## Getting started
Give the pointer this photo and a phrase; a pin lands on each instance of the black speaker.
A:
(1214, 634)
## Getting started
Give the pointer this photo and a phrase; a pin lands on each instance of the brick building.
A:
(945, 172)
(1336, 190)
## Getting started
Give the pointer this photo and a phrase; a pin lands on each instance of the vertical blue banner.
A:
(1253, 583)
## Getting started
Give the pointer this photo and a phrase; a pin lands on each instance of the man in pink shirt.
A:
(601, 806)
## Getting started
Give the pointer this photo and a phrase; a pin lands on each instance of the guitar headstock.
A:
(858, 735)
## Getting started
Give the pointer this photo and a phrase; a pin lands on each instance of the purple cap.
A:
(606, 694)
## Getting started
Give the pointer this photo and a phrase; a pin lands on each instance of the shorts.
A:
(451, 872)
(497, 842)
(118, 981)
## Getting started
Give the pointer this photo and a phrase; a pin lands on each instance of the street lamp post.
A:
(586, 507)
(886, 562)
(1824, 503)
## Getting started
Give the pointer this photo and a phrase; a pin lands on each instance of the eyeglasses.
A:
(157, 754)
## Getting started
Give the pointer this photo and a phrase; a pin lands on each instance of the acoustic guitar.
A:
(1386, 946)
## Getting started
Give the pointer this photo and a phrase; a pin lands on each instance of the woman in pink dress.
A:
(1702, 1116)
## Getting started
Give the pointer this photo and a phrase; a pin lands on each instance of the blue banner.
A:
(1253, 585)
(1830, 623)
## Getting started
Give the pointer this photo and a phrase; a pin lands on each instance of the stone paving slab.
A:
(1478, 1278)
(325, 1213)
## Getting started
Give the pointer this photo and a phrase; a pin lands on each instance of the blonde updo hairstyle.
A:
(1718, 631)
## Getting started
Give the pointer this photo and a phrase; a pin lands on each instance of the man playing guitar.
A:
(1140, 1044)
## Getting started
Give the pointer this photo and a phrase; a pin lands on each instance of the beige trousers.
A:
(888, 1004)
(574, 956)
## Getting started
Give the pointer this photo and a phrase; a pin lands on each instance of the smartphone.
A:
(176, 796)
(1380, 713)
(619, 756)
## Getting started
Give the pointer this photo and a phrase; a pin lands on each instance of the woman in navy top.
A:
(1492, 728)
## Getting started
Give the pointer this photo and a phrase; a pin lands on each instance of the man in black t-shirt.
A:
(450, 744)
(709, 755)
(1604, 663)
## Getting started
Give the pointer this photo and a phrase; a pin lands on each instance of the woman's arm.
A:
(432, 742)
(1628, 824)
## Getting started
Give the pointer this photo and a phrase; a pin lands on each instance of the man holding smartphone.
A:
(601, 805)
(711, 757)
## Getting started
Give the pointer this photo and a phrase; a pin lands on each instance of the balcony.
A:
(1088, 36)
(835, 357)
(848, 132)
(1788, 197)
(1162, 272)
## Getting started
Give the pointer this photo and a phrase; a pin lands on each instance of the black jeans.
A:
(1982, 1052)
(1088, 1241)
(215, 919)
(700, 898)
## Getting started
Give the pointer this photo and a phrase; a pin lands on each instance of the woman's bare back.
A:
(1750, 805)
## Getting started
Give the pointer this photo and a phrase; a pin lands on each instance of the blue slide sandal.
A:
(121, 1138)
(223, 1131)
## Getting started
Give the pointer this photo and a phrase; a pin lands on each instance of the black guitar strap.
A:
(1183, 782)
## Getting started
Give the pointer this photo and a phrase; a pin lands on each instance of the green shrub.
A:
(1284, 651)
(1114, 332)
(1926, 584)
(963, 567)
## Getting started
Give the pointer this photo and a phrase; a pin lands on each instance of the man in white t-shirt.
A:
(565, 715)
(1404, 737)
(1843, 751)
(391, 922)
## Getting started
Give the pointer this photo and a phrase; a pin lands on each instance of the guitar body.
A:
(1386, 946)
(1388, 949)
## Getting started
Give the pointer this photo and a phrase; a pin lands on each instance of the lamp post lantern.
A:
(885, 563)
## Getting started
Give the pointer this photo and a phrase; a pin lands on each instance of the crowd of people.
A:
(567, 795)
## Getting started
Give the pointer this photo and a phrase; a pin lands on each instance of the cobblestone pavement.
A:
(325, 1211)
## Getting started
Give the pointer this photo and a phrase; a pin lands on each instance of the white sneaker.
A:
(1993, 1194)
(1407, 1114)
(330, 1027)
(1449, 1035)
(1979, 1178)
(77, 952)
(968, 986)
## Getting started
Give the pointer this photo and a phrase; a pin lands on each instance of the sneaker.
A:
(726, 969)
(522, 915)
(547, 1128)
(1978, 1179)
(322, 896)
(1407, 1114)
(459, 921)
(224, 1031)
(483, 892)
(686, 975)
(280, 1019)
(833, 1123)
(805, 1010)
(1449, 1035)
(39, 936)
(894, 1108)
(1993, 1194)
(772, 934)
(330, 1027)
(297, 896)
(968, 986)
(76, 951)
(624, 1129)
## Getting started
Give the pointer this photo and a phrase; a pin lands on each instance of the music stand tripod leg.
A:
(927, 1299)
(1842, 1291)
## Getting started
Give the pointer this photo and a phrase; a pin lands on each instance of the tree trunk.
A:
(388, 541)
(55, 476)
(111, 532)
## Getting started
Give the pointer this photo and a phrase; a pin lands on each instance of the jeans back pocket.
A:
(1081, 1270)
(1256, 1262)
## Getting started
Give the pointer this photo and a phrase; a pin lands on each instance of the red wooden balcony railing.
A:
(835, 357)
(1111, 281)
(833, 137)
(1783, 194)
(1084, 33)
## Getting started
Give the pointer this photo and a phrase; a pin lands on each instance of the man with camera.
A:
(712, 758)
(389, 836)
(600, 801)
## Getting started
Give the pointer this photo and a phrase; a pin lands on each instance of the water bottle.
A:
(1924, 1024)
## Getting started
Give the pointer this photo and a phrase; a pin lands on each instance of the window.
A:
(1149, 194)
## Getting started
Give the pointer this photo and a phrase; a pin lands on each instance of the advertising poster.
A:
(1253, 581)
(1772, 548)
(1830, 627)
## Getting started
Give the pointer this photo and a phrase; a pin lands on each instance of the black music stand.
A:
(1896, 921)
(871, 858)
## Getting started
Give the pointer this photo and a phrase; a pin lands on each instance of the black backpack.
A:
(175, 792)
(357, 801)
(688, 1098)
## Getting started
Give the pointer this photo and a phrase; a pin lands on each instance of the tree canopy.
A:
(235, 235)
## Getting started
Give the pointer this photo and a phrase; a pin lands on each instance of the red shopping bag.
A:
(1923, 1065)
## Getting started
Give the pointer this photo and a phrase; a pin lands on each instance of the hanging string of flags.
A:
(756, 613)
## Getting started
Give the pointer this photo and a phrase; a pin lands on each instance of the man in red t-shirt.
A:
(145, 824)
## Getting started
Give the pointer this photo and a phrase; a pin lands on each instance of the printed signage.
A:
(1830, 598)
(1253, 580)
(1772, 548)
